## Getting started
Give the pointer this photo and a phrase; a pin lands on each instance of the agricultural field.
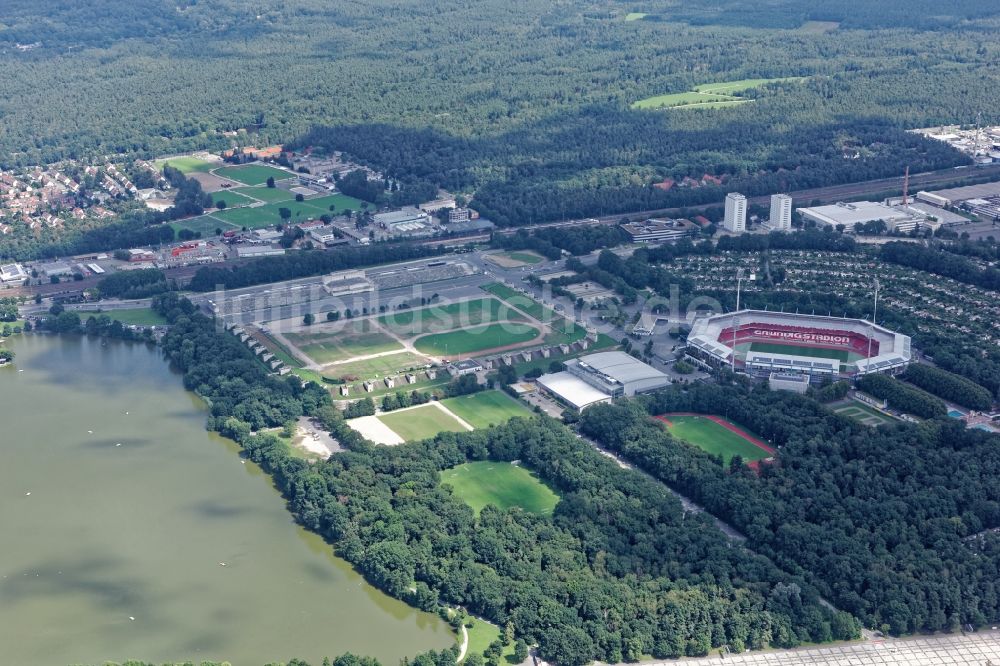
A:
(420, 422)
(635, 16)
(476, 339)
(861, 413)
(439, 318)
(186, 164)
(501, 484)
(486, 408)
(252, 174)
(328, 343)
(709, 95)
(129, 317)
(716, 435)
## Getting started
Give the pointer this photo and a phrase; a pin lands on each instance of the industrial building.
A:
(735, 220)
(402, 221)
(12, 273)
(253, 251)
(658, 229)
(601, 377)
(900, 218)
(781, 212)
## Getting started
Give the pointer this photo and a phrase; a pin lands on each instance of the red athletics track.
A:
(725, 424)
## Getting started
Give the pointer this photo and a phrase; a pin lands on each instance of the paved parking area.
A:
(978, 649)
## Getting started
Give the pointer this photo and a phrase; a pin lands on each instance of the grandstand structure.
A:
(758, 343)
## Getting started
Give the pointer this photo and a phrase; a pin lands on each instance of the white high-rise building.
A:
(781, 212)
(736, 213)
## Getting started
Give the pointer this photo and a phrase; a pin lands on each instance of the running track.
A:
(725, 424)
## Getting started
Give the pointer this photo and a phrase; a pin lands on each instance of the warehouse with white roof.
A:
(601, 377)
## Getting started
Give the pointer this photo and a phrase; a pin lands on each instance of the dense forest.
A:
(618, 572)
(527, 105)
(893, 523)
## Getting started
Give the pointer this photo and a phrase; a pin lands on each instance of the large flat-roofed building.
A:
(849, 214)
(602, 377)
(659, 229)
(12, 273)
(401, 217)
(571, 390)
(735, 220)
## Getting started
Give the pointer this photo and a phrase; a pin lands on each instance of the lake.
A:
(131, 532)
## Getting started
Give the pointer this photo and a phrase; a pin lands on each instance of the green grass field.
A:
(862, 413)
(635, 16)
(301, 211)
(231, 198)
(563, 329)
(841, 355)
(709, 95)
(131, 317)
(501, 484)
(486, 408)
(279, 350)
(673, 100)
(327, 343)
(526, 257)
(714, 438)
(380, 366)
(252, 174)
(475, 339)
(186, 164)
(420, 423)
(730, 87)
(263, 193)
(440, 318)
(203, 224)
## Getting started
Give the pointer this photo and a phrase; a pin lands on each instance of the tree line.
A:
(948, 386)
(901, 396)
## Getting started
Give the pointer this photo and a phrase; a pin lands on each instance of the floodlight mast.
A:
(736, 321)
(872, 332)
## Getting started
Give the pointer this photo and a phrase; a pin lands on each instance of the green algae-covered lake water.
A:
(131, 532)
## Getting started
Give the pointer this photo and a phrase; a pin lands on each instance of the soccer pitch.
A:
(486, 408)
(252, 174)
(420, 422)
(501, 484)
(709, 434)
(842, 355)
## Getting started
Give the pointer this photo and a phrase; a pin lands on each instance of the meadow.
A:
(185, 164)
(709, 95)
(328, 343)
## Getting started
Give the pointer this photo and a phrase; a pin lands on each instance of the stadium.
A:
(759, 343)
